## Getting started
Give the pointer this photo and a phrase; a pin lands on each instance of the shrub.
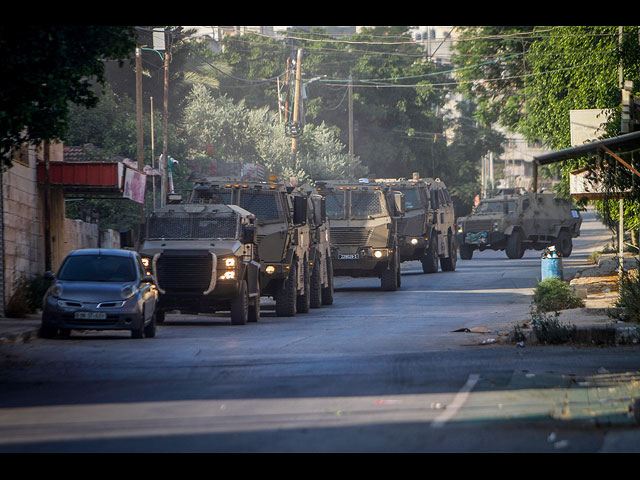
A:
(552, 295)
(628, 302)
(550, 330)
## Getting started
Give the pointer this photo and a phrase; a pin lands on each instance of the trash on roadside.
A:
(520, 344)
(488, 341)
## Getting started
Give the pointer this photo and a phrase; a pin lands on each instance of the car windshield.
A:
(263, 205)
(335, 204)
(365, 204)
(411, 198)
(98, 268)
(496, 207)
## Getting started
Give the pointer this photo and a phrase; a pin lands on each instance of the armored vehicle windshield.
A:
(364, 204)
(496, 206)
(183, 225)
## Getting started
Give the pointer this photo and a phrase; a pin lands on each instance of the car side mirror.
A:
(249, 234)
(48, 275)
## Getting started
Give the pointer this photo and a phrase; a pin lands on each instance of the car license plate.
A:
(90, 315)
(348, 256)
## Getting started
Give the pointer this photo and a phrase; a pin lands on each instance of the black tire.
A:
(327, 292)
(448, 264)
(466, 251)
(286, 295)
(514, 249)
(316, 285)
(303, 302)
(254, 307)
(160, 316)
(150, 329)
(430, 258)
(240, 306)
(564, 244)
(47, 332)
(389, 278)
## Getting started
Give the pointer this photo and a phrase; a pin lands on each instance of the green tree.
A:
(46, 68)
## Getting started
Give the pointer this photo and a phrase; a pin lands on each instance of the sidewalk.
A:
(597, 286)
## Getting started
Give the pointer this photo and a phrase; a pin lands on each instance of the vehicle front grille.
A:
(478, 225)
(350, 236)
(184, 273)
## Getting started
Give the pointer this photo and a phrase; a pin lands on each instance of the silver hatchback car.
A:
(100, 289)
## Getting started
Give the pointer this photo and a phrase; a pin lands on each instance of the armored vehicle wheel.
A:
(514, 246)
(316, 286)
(240, 306)
(327, 292)
(159, 316)
(47, 332)
(430, 258)
(286, 295)
(564, 244)
(150, 329)
(448, 264)
(466, 251)
(254, 307)
(389, 278)
(303, 302)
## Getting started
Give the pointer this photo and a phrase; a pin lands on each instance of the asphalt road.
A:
(375, 372)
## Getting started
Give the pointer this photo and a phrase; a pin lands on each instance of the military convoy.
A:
(233, 241)
(363, 218)
(426, 231)
(203, 258)
(516, 222)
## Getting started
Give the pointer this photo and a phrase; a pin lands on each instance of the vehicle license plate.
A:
(90, 315)
(348, 256)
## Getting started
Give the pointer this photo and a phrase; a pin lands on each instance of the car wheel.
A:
(254, 307)
(47, 332)
(316, 286)
(430, 258)
(327, 292)
(240, 306)
(286, 295)
(150, 329)
(389, 278)
(466, 251)
(514, 247)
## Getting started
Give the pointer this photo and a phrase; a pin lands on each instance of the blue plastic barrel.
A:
(551, 266)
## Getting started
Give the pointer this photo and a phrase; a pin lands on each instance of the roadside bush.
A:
(549, 330)
(552, 295)
(628, 303)
(27, 296)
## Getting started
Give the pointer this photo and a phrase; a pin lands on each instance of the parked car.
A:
(100, 289)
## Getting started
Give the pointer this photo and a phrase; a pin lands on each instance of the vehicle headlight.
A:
(270, 269)
(146, 262)
(56, 290)
(414, 241)
(459, 228)
(230, 266)
(127, 291)
(377, 253)
(496, 225)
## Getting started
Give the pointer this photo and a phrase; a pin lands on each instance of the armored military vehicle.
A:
(283, 236)
(319, 247)
(203, 259)
(426, 232)
(518, 222)
(363, 220)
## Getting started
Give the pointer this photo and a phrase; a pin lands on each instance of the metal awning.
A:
(626, 141)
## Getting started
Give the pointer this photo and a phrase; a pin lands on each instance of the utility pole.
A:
(139, 105)
(296, 107)
(165, 155)
(153, 162)
(350, 115)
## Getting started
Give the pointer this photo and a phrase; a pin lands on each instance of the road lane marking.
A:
(458, 401)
